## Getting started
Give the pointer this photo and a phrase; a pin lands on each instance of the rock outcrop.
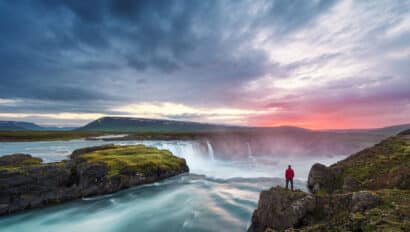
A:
(280, 209)
(283, 210)
(321, 177)
(368, 191)
(26, 182)
(385, 165)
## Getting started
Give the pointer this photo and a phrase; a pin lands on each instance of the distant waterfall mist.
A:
(210, 151)
(249, 149)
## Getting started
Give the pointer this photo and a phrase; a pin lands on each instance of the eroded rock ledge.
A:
(368, 191)
(280, 209)
(26, 182)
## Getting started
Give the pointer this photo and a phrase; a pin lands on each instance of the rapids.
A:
(217, 195)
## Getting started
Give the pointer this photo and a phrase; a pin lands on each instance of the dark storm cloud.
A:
(47, 44)
(55, 93)
(90, 56)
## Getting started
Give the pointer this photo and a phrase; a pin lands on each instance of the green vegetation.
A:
(125, 124)
(384, 170)
(138, 158)
(26, 182)
(6, 136)
(392, 214)
(381, 165)
(119, 160)
(16, 162)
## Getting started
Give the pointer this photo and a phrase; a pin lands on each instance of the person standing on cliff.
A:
(289, 174)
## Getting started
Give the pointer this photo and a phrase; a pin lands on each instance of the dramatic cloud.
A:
(318, 64)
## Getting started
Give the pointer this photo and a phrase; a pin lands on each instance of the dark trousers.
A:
(291, 183)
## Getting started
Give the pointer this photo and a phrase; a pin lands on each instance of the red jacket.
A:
(289, 173)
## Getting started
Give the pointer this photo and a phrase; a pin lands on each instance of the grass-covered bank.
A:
(23, 136)
(385, 165)
(26, 136)
(138, 159)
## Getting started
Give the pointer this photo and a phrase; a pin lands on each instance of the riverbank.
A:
(31, 136)
(368, 191)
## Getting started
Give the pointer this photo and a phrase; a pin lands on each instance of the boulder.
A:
(364, 200)
(279, 209)
(321, 178)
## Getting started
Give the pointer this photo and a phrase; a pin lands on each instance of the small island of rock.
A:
(26, 182)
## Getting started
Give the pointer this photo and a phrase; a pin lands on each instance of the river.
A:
(217, 195)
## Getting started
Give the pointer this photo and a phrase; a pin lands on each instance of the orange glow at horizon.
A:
(322, 123)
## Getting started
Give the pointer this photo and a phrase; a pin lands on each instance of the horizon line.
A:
(219, 124)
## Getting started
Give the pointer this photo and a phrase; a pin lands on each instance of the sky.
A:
(316, 64)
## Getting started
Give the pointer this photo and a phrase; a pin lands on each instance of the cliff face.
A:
(26, 183)
(368, 191)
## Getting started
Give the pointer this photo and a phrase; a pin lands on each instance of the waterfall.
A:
(250, 156)
(249, 149)
(210, 151)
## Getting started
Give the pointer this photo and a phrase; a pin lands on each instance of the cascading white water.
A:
(249, 149)
(210, 151)
(250, 156)
(218, 193)
(200, 161)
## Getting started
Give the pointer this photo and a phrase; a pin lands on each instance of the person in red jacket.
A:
(289, 174)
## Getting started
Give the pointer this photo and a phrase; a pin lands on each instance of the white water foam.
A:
(207, 202)
(210, 151)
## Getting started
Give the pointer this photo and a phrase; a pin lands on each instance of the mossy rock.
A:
(15, 162)
(89, 172)
(392, 214)
(135, 158)
(368, 191)
(385, 165)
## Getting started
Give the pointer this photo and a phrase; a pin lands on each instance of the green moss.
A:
(373, 165)
(323, 192)
(138, 158)
(8, 169)
(384, 169)
(392, 214)
(31, 161)
(17, 166)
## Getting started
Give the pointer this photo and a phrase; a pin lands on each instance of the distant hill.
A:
(18, 126)
(406, 132)
(125, 124)
(27, 126)
(389, 130)
(128, 124)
